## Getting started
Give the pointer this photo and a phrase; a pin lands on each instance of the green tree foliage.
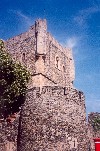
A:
(13, 81)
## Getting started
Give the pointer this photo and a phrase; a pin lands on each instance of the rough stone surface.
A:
(94, 122)
(42, 54)
(8, 135)
(93, 128)
(53, 119)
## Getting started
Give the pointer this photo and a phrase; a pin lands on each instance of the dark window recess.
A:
(57, 61)
(79, 94)
(74, 143)
(23, 57)
(63, 68)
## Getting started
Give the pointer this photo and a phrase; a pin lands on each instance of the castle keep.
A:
(48, 62)
(53, 117)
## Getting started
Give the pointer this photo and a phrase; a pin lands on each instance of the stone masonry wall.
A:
(8, 135)
(53, 119)
(94, 122)
(42, 54)
(64, 73)
(93, 128)
(22, 49)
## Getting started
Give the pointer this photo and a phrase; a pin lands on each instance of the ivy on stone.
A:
(13, 83)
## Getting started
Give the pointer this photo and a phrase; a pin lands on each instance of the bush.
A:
(13, 81)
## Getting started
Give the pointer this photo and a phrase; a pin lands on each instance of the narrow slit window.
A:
(63, 68)
(57, 62)
(23, 57)
(74, 143)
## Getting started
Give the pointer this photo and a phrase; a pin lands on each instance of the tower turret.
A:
(40, 32)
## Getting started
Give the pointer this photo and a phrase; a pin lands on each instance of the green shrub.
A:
(13, 81)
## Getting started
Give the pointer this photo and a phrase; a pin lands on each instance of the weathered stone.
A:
(93, 128)
(8, 135)
(48, 62)
(52, 122)
(53, 117)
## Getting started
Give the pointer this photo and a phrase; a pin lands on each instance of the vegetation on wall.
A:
(13, 81)
(96, 123)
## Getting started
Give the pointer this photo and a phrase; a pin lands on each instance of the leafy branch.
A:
(13, 80)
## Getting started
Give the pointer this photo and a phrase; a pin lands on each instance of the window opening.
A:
(23, 57)
(63, 68)
(57, 62)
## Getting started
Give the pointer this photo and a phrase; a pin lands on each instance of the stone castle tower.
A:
(48, 62)
(53, 117)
